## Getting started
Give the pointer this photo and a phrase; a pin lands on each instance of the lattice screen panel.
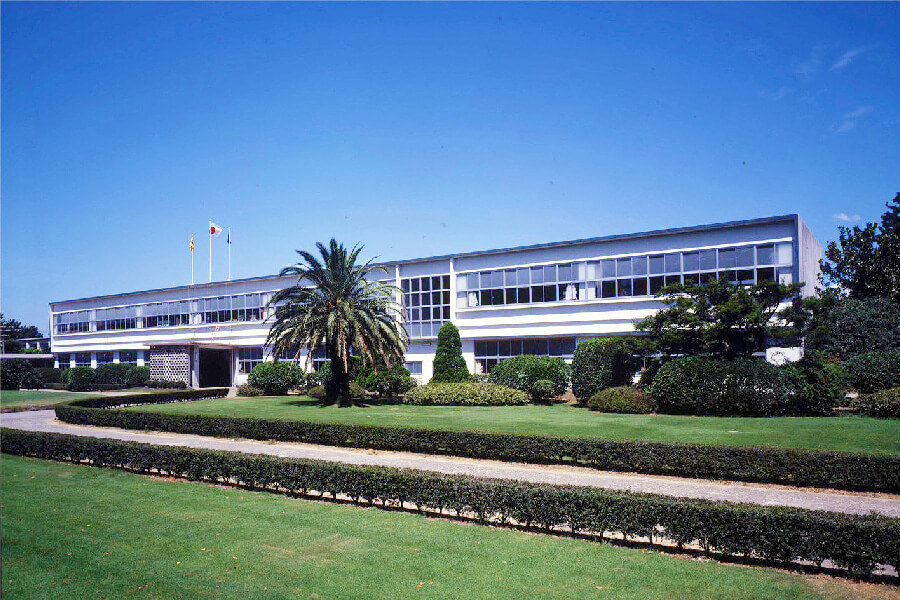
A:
(172, 363)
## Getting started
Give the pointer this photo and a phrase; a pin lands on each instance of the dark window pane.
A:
(489, 364)
(537, 275)
(673, 263)
(565, 272)
(480, 348)
(624, 287)
(765, 274)
(657, 265)
(511, 295)
(705, 278)
(691, 261)
(639, 265)
(555, 347)
(414, 299)
(730, 276)
(446, 312)
(726, 258)
(446, 296)
(745, 276)
(745, 256)
(765, 255)
(504, 348)
(639, 286)
(515, 347)
(415, 315)
(426, 284)
(446, 281)
(524, 295)
(707, 259)
(436, 282)
(485, 297)
(537, 293)
(497, 297)
(426, 313)
(549, 293)
(692, 279)
(608, 268)
(670, 279)
(608, 289)
(435, 298)
(656, 284)
(623, 267)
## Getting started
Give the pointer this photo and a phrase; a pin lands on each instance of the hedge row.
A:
(777, 534)
(147, 398)
(840, 470)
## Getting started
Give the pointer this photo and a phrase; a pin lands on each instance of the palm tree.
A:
(336, 302)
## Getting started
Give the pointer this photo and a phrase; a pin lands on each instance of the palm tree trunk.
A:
(337, 388)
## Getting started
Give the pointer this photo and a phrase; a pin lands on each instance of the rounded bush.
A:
(884, 404)
(623, 399)
(873, 371)
(17, 374)
(706, 386)
(112, 374)
(601, 363)
(276, 378)
(521, 373)
(465, 394)
(542, 390)
(137, 376)
(79, 379)
(387, 383)
(247, 389)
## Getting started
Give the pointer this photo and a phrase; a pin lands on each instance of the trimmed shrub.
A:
(387, 383)
(601, 363)
(853, 326)
(318, 391)
(542, 390)
(247, 389)
(873, 371)
(788, 466)
(858, 543)
(166, 384)
(17, 374)
(521, 372)
(276, 378)
(465, 394)
(112, 373)
(137, 376)
(49, 374)
(816, 387)
(79, 379)
(449, 364)
(622, 399)
(707, 386)
(884, 404)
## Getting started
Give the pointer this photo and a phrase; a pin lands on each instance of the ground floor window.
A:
(63, 361)
(128, 357)
(489, 352)
(414, 367)
(104, 358)
(249, 358)
(82, 359)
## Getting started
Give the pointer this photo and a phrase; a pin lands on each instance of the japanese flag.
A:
(214, 230)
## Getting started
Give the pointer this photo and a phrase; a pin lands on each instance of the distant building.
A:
(540, 299)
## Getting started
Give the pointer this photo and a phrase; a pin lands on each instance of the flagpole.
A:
(192, 260)
(229, 254)
(210, 252)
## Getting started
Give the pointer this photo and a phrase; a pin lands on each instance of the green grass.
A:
(19, 398)
(847, 433)
(74, 531)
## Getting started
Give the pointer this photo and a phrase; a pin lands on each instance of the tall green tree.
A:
(449, 364)
(11, 331)
(719, 319)
(865, 261)
(338, 303)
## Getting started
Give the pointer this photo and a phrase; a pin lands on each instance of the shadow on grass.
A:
(356, 402)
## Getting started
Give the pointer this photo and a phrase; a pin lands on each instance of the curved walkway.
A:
(765, 494)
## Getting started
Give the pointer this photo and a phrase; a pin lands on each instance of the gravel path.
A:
(831, 500)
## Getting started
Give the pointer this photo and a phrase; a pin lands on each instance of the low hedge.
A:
(465, 394)
(624, 399)
(166, 384)
(247, 389)
(884, 404)
(841, 470)
(522, 372)
(776, 534)
(144, 398)
(873, 371)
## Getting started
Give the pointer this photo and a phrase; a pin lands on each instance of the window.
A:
(104, 358)
(249, 358)
(128, 357)
(73, 322)
(82, 359)
(414, 367)
(489, 352)
(426, 300)
(63, 361)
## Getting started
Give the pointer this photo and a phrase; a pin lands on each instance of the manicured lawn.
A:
(81, 532)
(847, 433)
(18, 398)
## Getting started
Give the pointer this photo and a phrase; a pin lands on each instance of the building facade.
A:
(540, 299)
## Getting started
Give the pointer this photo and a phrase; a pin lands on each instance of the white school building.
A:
(540, 299)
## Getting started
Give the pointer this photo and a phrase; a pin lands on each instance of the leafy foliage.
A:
(18, 374)
(600, 363)
(838, 470)
(319, 392)
(337, 303)
(138, 376)
(11, 331)
(705, 386)
(542, 390)
(884, 404)
(858, 543)
(720, 319)
(522, 372)
(276, 378)
(249, 390)
(818, 385)
(622, 399)
(865, 262)
(465, 394)
(387, 382)
(449, 364)
(112, 373)
(873, 371)
(79, 379)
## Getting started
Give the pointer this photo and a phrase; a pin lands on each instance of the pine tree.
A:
(449, 364)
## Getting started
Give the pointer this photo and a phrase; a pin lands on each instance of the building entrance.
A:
(215, 368)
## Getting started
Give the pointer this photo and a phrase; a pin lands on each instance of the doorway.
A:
(215, 368)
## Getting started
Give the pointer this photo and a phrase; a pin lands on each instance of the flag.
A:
(214, 230)
(228, 239)
(192, 243)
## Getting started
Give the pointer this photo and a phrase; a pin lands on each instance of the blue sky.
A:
(422, 129)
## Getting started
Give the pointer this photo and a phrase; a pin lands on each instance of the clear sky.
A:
(422, 129)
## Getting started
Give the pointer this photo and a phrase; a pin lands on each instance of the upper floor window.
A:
(426, 304)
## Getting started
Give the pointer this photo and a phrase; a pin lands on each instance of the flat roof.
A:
(607, 238)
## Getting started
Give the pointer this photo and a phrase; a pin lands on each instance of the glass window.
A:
(511, 296)
(472, 281)
(656, 284)
(727, 258)
(608, 289)
(745, 256)
(565, 272)
(497, 278)
(485, 279)
(639, 286)
(608, 268)
(509, 277)
(691, 261)
(623, 267)
(104, 358)
(691, 279)
(624, 287)
(673, 263)
(765, 255)
(765, 274)
(784, 254)
(537, 274)
(639, 265)
(497, 297)
(522, 276)
(460, 283)
(785, 276)
(707, 259)
(745, 276)
(63, 361)
(673, 279)
(549, 293)
(524, 295)
(550, 274)
(537, 293)
(657, 264)
(414, 367)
